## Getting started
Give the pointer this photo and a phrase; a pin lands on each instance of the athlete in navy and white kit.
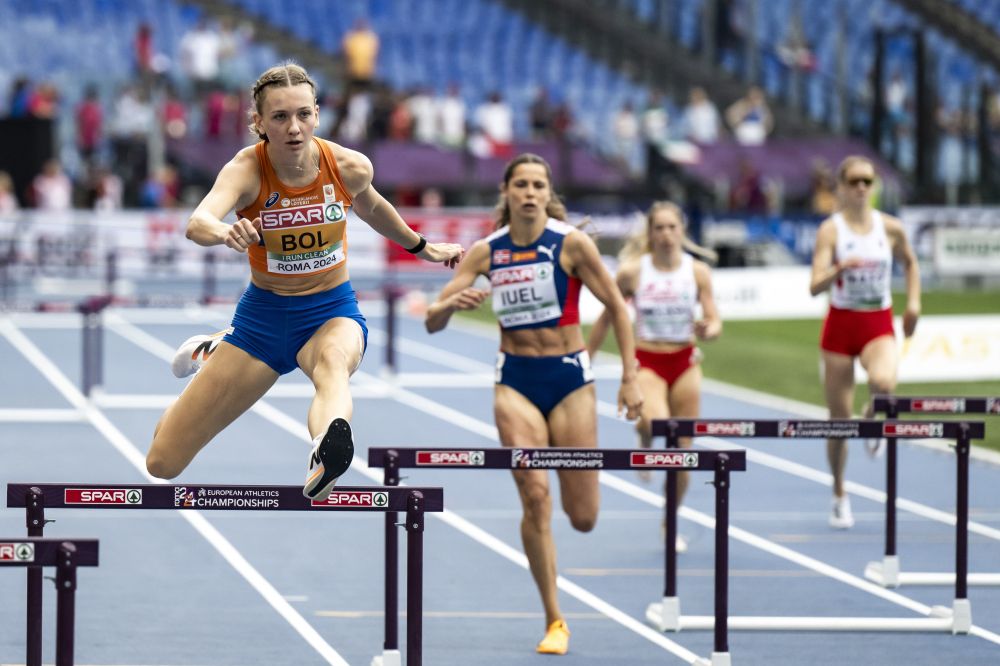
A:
(544, 394)
(855, 248)
(668, 287)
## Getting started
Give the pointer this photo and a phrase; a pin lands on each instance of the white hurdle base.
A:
(887, 574)
(665, 615)
(956, 620)
(718, 659)
(388, 658)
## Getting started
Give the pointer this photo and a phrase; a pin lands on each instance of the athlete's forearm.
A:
(206, 230)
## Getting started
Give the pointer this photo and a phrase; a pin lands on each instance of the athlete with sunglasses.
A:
(855, 250)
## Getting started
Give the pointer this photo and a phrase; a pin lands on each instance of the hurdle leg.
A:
(65, 601)
(962, 610)
(666, 614)
(720, 652)
(414, 579)
(886, 572)
(390, 647)
(35, 518)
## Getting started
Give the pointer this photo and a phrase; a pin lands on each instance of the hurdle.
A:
(887, 572)
(957, 619)
(65, 555)
(391, 460)
(35, 497)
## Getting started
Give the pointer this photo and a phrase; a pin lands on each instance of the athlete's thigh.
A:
(573, 424)
(521, 425)
(838, 383)
(685, 394)
(880, 359)
(338, 341)
(654, 395)
(222, 390)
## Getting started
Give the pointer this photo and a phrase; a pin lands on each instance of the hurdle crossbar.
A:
(66, 555)
(35, 497)
(671, 460)
(958, 619)
(887, 572)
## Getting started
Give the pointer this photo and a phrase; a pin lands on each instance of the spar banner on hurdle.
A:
(937, 405)
(221, 497)
(555, 458)
(38, 552)
(842, 429)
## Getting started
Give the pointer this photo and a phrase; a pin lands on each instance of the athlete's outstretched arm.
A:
(459, 294)
(382, 216)
(235, 186)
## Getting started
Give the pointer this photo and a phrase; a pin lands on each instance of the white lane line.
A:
(40, 415)
(196, 519)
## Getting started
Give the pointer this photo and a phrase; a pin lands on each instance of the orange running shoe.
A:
(556, 639)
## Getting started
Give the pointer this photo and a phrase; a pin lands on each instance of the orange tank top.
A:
(304, 228)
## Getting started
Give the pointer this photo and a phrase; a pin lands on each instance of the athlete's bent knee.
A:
(160, 468)
(583, 522)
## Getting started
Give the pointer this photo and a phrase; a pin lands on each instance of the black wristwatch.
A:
(416, 249)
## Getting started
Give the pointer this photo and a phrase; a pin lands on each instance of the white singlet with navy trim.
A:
(867, 286)
(665, 301)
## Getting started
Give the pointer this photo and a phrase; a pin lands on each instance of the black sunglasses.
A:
(856, 181)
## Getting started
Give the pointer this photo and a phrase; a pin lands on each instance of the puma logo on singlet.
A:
(572, 360)
(551, 251)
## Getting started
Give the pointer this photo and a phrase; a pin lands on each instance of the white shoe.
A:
(193, 353)
(841, 517)
(875, 446)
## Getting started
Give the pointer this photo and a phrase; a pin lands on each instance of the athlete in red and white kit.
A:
(667, 287)
(853, 258)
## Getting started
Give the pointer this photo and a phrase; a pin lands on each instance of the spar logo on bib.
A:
(334, 211)
(294, 217)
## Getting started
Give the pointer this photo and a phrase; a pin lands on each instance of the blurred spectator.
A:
(421, 107)
(541, 115)
(701, 118)
(823, 194)
(494, 121)
(383, 102)
(353, 127)
(52, 189)
(897, 115)
(400, 120)
(750, 118)
(625, 133)
(89, 124)
(234, 43)
(8, 198)
(142, 47)
(104, 189)
(562, 121)
(729, 19)
(161, 189)
(199, 56)
(133, 119)
(20, 94)
(747, 195)
(450, 111)
(44, 101)
(174, 114)
(655, 121)
(949, 160)
(360, 50)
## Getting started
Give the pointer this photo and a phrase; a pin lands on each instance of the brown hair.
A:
(639, 243)
(850, 161)
(285, 75)
(554, 208)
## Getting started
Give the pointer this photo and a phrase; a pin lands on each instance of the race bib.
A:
(865, 286)
(305, 239)
(525, 294)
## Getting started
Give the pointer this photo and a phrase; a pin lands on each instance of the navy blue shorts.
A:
(274, 328)
(544, 380)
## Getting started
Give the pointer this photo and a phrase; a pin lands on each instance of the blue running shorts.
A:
(274, 328)
(544, 380)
